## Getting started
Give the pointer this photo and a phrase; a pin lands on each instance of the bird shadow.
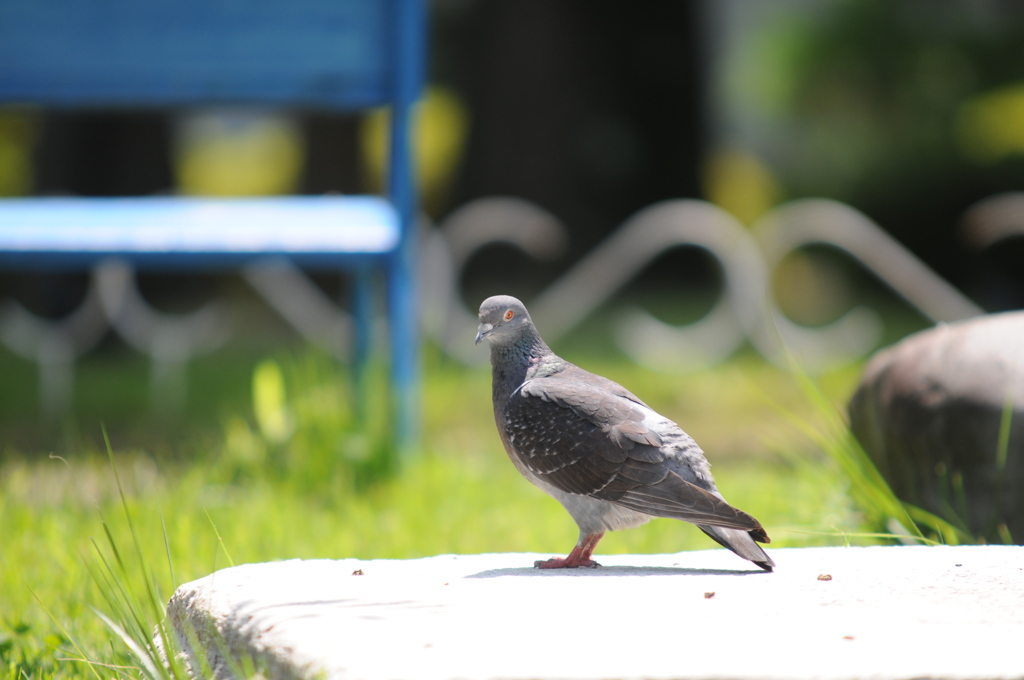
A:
(613, 571)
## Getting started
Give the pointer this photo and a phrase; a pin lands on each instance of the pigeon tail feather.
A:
(742, 543)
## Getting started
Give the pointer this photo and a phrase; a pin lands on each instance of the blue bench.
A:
(346, 55)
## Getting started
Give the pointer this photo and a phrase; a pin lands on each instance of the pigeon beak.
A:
(483, 331)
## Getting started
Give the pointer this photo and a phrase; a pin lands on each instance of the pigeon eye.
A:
(509, 314)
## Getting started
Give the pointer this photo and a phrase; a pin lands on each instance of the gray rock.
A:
(928, 411)
(826, 614)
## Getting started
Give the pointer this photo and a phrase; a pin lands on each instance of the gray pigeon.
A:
(611, 460)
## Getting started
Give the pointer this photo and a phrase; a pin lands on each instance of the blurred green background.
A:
(909, 110)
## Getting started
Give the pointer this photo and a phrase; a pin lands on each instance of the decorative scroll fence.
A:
(744, 312)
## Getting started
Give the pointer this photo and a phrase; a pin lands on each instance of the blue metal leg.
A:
(403, 309)
(362, 337)
(404, 331)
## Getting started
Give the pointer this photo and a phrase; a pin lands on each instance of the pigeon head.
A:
(504, 320)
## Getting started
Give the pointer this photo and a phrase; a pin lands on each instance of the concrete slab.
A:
(825, 613)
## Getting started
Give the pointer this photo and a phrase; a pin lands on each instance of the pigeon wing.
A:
(588, 438)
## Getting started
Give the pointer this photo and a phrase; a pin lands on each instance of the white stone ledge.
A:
(886, 612)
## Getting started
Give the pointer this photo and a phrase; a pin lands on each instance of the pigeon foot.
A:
(565, 563)
(579, 557)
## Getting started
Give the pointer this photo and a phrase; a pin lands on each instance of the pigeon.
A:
(606, 456)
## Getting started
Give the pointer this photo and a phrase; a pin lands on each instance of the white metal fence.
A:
(744, 312)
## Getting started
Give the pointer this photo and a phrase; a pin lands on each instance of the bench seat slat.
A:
(176, 228)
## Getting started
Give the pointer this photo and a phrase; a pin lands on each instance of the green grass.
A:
(291, 473)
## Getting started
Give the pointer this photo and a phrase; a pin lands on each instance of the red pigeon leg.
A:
(579, 557)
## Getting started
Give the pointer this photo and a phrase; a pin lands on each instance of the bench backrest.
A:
(342, 54)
